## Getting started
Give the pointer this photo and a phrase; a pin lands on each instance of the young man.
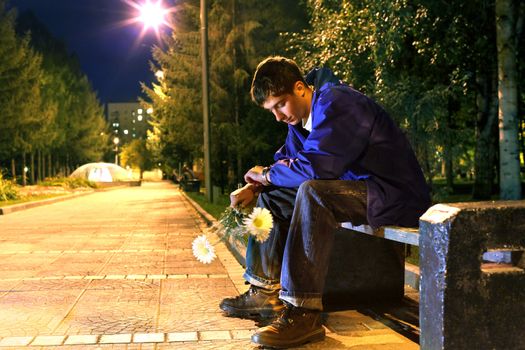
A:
(344, 159)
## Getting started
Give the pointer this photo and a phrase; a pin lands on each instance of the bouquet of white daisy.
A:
(234, 223)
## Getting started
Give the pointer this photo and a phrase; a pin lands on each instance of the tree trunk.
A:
(506, 19)
(32, 165)
(39, 165)
(486, 102)
(13, 169)
(24, 167)
(50, 171)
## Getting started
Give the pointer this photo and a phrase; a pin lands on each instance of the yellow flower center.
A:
(258, 222)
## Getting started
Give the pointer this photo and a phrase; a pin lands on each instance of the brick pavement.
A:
(114, 270)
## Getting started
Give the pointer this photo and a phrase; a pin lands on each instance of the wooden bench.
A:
(394, 233)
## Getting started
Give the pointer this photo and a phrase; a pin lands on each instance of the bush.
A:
(8, 189)
(67, 182)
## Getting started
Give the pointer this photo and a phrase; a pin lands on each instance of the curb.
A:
(28, 205)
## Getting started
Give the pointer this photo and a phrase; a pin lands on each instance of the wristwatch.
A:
(265, 172)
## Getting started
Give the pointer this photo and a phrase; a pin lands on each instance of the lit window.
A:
(139, 118)
(149, 110)
(126, 132)
(139, 110)
(133, 121)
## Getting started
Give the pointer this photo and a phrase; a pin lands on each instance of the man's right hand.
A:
(243, 196)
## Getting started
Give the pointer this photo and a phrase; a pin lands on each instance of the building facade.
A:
(127, 120)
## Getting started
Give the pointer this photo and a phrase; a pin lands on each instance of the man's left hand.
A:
(255, 176)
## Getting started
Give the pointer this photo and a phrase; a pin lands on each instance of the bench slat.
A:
(393, 233)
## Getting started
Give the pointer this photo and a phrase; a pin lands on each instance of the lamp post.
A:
(205, 99)
(152, 15)
(116, 142)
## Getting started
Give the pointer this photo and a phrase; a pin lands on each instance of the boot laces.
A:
(246, 294)
(285, 318)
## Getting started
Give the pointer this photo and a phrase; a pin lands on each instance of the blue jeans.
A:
(295, 257)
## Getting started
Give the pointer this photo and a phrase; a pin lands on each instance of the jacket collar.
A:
(321, 78)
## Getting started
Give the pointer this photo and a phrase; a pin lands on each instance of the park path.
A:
(114, 270)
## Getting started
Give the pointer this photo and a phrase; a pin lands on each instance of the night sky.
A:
(112, 54)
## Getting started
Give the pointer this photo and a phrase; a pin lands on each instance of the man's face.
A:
(290, 108)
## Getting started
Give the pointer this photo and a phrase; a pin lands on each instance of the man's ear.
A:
(299, 88)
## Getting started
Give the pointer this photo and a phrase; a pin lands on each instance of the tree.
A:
(73, 130)
(20, 73)
(507, 40)
(136, 154)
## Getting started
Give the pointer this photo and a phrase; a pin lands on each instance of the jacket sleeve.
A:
(341, 126)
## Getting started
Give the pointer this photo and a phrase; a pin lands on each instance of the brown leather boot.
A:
(294, 327)
(255, 302)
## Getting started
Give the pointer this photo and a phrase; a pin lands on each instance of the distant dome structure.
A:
(101, 172)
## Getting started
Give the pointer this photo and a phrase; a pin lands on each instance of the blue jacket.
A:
(353, 138)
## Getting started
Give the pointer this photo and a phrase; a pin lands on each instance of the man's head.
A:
(279, 87)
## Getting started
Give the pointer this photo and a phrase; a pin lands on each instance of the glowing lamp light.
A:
(152, 14)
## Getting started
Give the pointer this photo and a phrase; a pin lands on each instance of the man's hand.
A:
(243, 196)
(255, 176)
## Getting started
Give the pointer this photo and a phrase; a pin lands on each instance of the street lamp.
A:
(152, 15)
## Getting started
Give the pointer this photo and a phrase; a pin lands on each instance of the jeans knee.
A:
(311, 187)
(310, 190)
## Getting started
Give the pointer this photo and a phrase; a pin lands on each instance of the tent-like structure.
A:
(102, 172)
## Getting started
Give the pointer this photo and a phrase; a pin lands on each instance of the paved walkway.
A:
(114, 270)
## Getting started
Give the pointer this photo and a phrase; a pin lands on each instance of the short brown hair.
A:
(275, 76)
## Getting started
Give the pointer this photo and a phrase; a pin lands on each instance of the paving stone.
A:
(214, 335)
(115, 277)
(15, 341)
(115, 338)
(148, 337)
(183, 336)
(136, 277)
(48, 340)
(242, 333)
(81, 339)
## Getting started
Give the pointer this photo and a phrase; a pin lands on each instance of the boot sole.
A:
(316, 336)
(232, 312)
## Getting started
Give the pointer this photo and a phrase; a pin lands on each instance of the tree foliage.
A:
(431, 64)
(49, 107)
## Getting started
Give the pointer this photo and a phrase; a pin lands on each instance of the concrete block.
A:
(363, 269)
(462, 305)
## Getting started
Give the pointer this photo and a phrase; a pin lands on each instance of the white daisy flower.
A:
(203, 250)
(259, 223)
